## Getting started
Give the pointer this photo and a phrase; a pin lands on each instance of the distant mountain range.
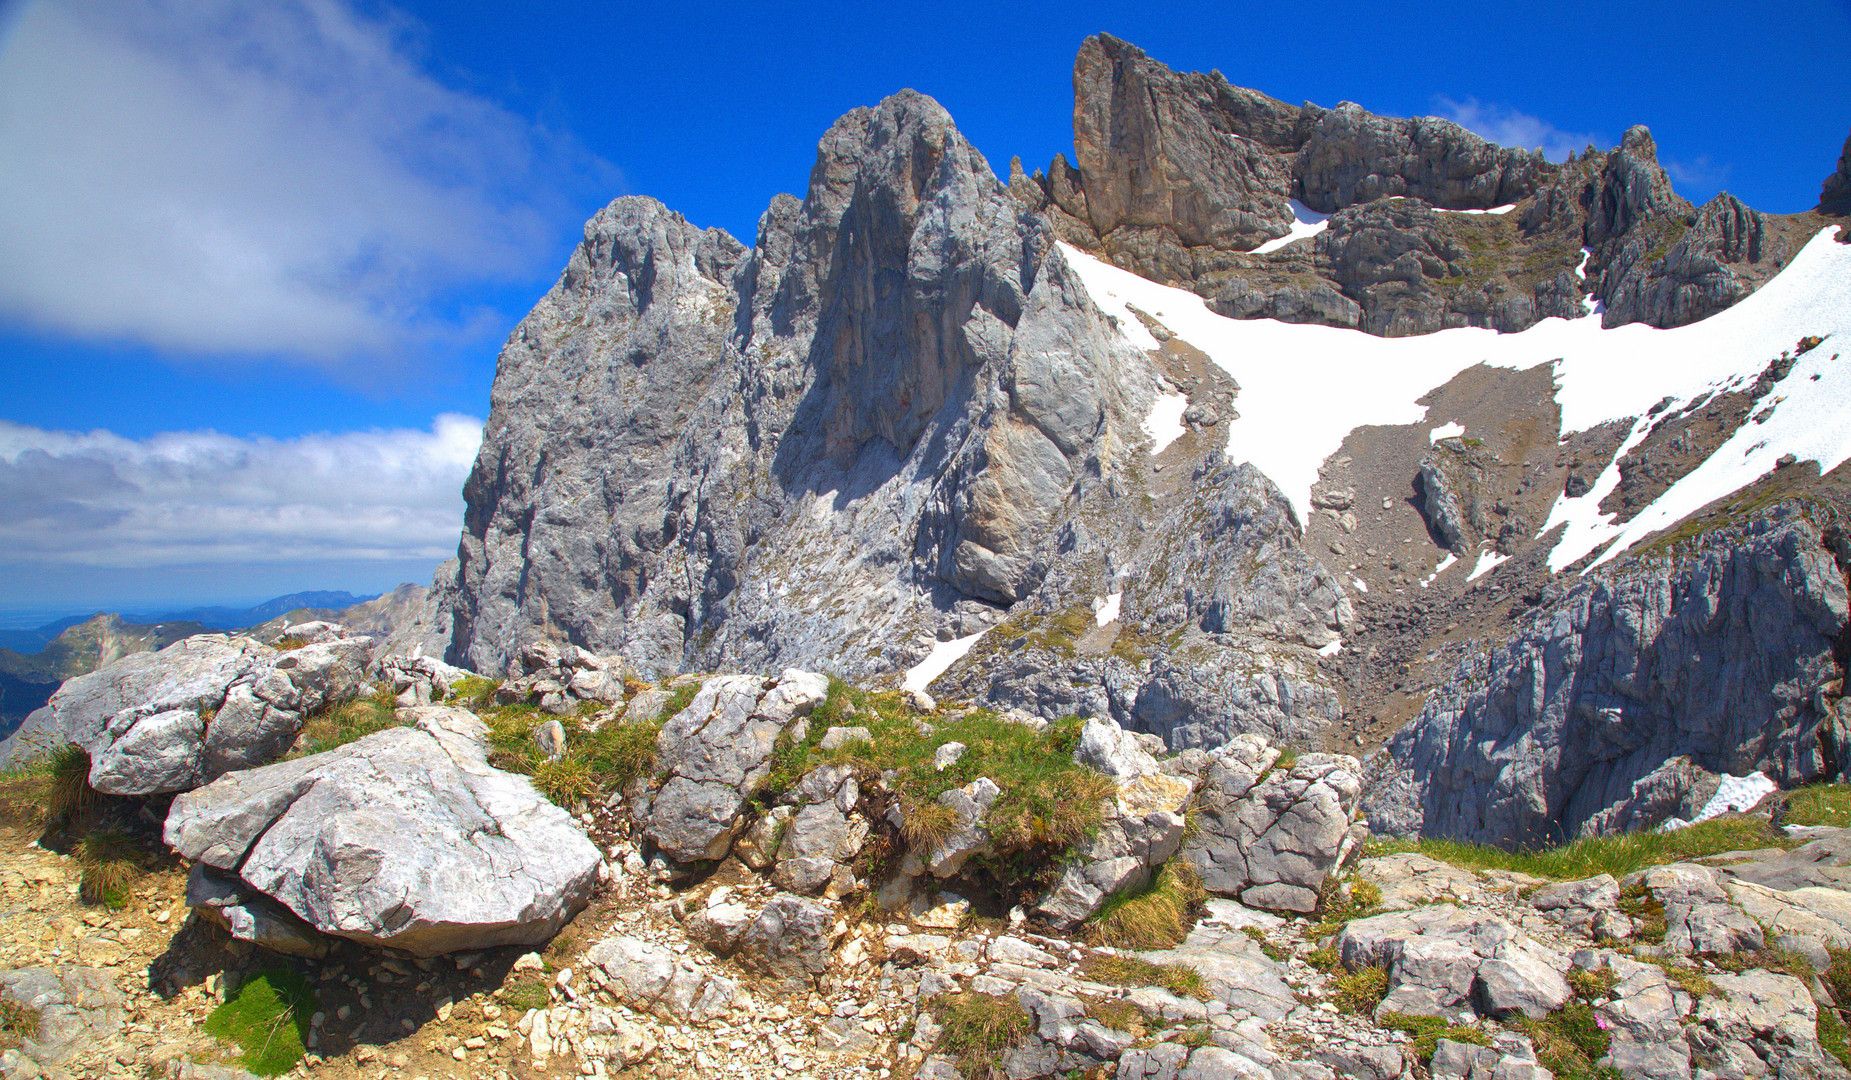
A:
(33, 663)
(212, 618)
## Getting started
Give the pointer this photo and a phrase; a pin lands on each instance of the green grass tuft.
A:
(1047, 804)
(474, 692)
(1617, 855)
(1569, 1042)
(1427, 1031)
(1157, 917)
(69, 795)
(526, 994)
(1114, 970)
(1819, 804)
(269, 1017)
(112, 861)
(348, 721)
(17, 1021)
(978, 1028)
(1360, 991)
(597, 761)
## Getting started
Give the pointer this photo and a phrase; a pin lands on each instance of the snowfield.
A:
(938, 661)
(1306, 223)
(1304, 387)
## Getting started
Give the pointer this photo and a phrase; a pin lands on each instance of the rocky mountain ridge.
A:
(912, 433)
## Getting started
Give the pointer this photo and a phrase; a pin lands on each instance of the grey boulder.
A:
(406, 838)
(714, 754)
(174, 719)
(75, 1006)
(1445, 962)
(1270, 839)
(649, 977)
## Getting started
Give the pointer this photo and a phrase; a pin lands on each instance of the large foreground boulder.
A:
(1268, 835)
(175, 719)
(405, 838)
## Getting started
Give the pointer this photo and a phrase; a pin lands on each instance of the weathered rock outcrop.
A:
(1222, 608)
(1598, 714)
(178, 718)
(1835, 193)
(712, 755)
(900, 349)
(1270, 837)
(405, 838)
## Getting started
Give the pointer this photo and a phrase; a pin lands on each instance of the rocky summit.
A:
(1291, 593)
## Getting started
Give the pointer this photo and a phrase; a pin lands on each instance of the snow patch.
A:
(1445, 565)
(1505, 209)
(1488, 560)
(1449, 430)
(1332, 649)
(1306, 222)
(1361, 585)
(1734, 795)
(1106, 610)
(1164, 425)
(1305, 387)
(943, 655)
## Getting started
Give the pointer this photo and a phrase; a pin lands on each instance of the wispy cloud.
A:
(1506, 126)
(193, 498)
(275, 178)
(1699, 174)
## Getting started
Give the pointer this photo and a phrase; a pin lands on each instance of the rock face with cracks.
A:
(1614, 699)
(406, 838)
(1270, 836)
(713, 754)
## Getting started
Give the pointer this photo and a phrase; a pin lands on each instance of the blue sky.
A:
(261, 256)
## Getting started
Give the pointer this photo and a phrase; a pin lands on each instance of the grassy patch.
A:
(1326, 958)
(269, 1017)
(16, 1022)
(1120, 1015)
(290, 643)
(69, 794)
(1427, 1031)
(1594, 986)
(1360, 991)
(596, 763)
(474, 692)
(1638, 903)
(1047, 802)
(1616, 855)
(56, 784)
(1833, 1036)
(526, 994)
(1569, 1041)
(1338, 906)
(1820, 804)
(978, 1028)
(349, 721)
(1179, 979)
(1273, 952)
(112, 862)
(1689, 980)
(1157, 917)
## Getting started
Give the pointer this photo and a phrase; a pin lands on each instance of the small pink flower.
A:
(1601, 1023)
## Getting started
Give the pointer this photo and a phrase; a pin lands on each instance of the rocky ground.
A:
(1492, 952)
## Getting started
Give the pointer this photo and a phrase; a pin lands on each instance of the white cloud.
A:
(1506, 126)
(192, 498)
(276, 178)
